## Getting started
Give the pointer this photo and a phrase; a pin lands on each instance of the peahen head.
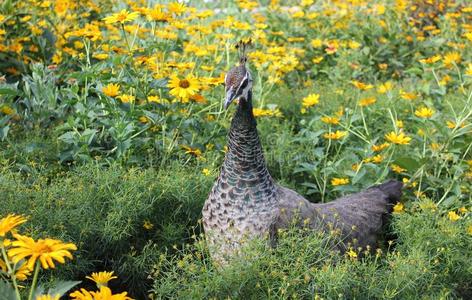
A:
(238, 80)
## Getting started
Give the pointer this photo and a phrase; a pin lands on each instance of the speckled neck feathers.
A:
(244, 166)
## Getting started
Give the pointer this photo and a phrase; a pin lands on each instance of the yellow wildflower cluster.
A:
(337, 135)
(398, 138)
(23, 255)
(260, 112)
(311, 100)
(339, 181)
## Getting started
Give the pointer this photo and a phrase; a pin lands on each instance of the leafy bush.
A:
(432, 258)
(119, 219)
(112, 131)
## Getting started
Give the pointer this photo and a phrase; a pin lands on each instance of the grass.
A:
(96, 149)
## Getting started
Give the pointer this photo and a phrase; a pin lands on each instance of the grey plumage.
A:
(246, 203)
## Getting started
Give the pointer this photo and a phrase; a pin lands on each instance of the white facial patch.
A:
(244, 86)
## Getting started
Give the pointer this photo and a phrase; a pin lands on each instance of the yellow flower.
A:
(397, 168)
(399, 123)
(399, 139)
(316, 43)
(23, 272)
(385, 87)
(339, 181)
(354, 44)
(306, 2)
(111, 90)
(463, 210)
(335, 135)
(47, 297)
(424, 112)
(377, 148)
(103, 294)
(261, 112)
(156, 14)
(121, 17)
(469, 230)
(453, 216)
(468, 71)
(445, 80)
(183, 88)
(331, 47)
(206, 172)
(197, 98)
(355, 167)
(379, 9)
(6, 110)
(435, 146)
(154, 99)
(367, 101)
(374, 159)
(398, 208)
(9, 222)
(196, 152)
(351, 253)
(408, 96)
(46, 250)
(378, 159)
(451, 58)
(125, 98)
(408, 183)
(468, 35)
(311, 100)
(143, 119)
(3, 266)
(148, 225)
(100, 56)
(317, 60)
(177, 8)
(383, 66)
(330, 120)
(362, 86)
(101, 278)
(431, 60)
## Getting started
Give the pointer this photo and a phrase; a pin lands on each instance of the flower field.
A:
(112, 132)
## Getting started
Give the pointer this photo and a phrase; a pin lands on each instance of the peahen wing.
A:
(356, 219)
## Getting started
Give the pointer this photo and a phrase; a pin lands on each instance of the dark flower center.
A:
(184, 83)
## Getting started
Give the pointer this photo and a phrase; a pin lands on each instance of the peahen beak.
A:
(229, 98)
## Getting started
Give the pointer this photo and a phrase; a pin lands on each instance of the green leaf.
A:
(62, 287)
(6, 291)
(313, 186)
(408, 163)
(4, 132)
(448, 202)
(11, 92)
(359, 176)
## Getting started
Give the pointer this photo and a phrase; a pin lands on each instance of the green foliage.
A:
(126, 180)
(432, 258)
(6, 290)
(60, 289)
(103, 211)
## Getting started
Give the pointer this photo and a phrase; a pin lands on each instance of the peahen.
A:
(245, 201)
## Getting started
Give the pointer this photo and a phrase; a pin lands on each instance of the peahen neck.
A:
(244, 164)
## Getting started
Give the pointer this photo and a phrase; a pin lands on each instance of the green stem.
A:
(325, 176)
(10, 271)
(35, 280)
(364, 123)
(126, 37)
